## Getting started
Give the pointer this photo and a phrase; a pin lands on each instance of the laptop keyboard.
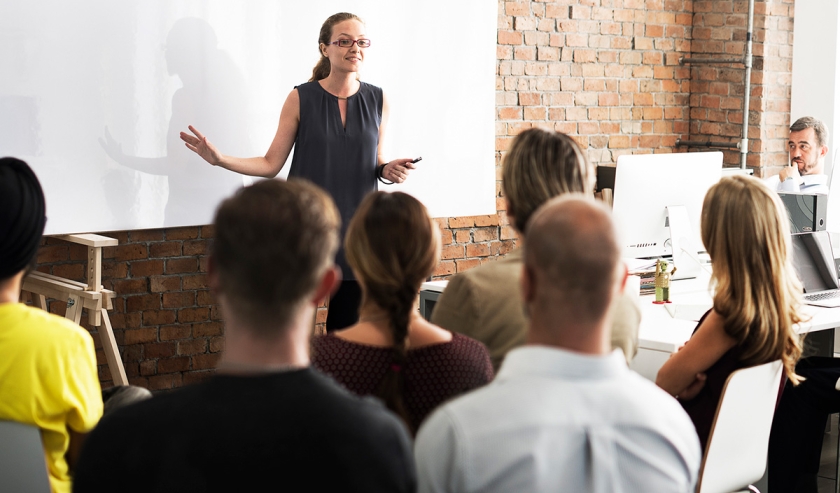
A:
(822, 296)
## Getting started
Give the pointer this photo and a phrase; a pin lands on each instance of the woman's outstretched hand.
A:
(397, 170)
(199, 144)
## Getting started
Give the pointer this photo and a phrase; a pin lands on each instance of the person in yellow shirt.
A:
(48, 374)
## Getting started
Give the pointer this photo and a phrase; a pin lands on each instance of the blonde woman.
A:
(756, 302)
(392, 352)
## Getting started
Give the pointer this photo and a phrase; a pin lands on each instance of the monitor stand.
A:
(685, 260)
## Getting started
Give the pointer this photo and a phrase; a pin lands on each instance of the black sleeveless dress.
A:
(342, 160)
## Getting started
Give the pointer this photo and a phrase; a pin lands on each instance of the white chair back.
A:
(737, 451)
(23, 466)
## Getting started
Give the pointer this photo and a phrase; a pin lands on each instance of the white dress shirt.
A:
(559, 421)
(806, 184)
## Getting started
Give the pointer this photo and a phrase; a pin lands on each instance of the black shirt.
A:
(287, 431)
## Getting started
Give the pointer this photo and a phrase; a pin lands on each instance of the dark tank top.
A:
(340, 159)
(703, 407)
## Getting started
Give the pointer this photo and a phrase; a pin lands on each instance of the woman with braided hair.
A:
(392, 246)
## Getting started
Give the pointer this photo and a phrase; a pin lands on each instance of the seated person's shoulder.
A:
(47, 327)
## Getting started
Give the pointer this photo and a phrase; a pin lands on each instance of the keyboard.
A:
(822, 296)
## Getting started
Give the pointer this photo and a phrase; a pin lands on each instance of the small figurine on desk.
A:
(663, 282)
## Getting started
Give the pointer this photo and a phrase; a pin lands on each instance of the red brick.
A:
(145, 235)
(217, 344)
(196, 247)
(159, 350)
(204, 298)
(148, 367)
(485, 234)
(75, 272)
(165, 249)
(158, 317)
(136, 336)
(444, 268)
(172, 365)
(189, 233)
(52, 253)
(463, 265)
(144, 302)
(188, 315)
(131, 252)
(181, 265)
(510, 38)
(131, 286)
(193, 377)
(205, 361)
(160, 284)
(174, 332)
(192, 346)
(179, 299)
(168, 381)
(145, 268)
(198, 281)
(452, 251)
(462, 222)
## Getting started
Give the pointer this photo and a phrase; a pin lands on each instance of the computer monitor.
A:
(647, 186)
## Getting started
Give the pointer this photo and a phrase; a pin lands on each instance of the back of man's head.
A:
(573, 257)
(22, 216)
(274, 242)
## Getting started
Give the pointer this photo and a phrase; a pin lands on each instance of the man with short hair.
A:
(564, 413)
(266, 420)
(808, 146)
(48, 374)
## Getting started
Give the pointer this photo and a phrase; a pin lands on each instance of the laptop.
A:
(813, 259)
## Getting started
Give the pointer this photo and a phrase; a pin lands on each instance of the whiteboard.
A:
(94, 93)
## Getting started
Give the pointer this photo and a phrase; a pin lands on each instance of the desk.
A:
(660, 334)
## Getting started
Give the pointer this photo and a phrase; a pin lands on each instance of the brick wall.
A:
(719, 31)
(604, 71)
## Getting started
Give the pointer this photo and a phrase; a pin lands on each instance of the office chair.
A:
(23, 467)
(737, 450)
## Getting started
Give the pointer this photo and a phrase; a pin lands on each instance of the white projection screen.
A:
(93, 94)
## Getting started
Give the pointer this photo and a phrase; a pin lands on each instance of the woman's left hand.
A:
(397, 170)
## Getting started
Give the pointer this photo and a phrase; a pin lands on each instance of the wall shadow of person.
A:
(213, 96)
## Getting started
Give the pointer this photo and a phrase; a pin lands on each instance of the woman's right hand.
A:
(199, 144)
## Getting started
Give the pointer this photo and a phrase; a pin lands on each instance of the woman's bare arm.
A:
(679, 375)
(266, 166)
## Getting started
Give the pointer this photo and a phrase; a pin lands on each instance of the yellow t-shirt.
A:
(48, 378)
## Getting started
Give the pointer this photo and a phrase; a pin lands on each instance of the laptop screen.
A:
(814, 261)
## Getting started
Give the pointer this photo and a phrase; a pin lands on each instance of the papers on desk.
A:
(639, 265)
(687, 311)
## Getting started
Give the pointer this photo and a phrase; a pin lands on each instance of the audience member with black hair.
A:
(48, 375)
(393, 246)
(266, 419)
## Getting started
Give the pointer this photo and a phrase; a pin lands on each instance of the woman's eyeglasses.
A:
(347, 43)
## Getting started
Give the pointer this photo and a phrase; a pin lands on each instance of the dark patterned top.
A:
(433, 374)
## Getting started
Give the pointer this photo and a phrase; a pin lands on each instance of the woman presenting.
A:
(337, 125)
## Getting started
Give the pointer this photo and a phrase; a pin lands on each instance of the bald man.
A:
(571, 415)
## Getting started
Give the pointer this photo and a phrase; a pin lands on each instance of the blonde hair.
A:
(746, 231)
(393, 246)
(542, 164)
(322, 68)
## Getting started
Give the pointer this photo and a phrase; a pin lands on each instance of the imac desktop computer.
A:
(657, 202)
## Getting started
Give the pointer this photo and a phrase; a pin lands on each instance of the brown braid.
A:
(392, 246)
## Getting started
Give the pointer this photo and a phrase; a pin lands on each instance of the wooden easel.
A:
(91, 296)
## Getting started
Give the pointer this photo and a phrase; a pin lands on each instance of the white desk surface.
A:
(659, 331)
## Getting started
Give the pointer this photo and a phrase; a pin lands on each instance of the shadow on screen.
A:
(213, 98)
